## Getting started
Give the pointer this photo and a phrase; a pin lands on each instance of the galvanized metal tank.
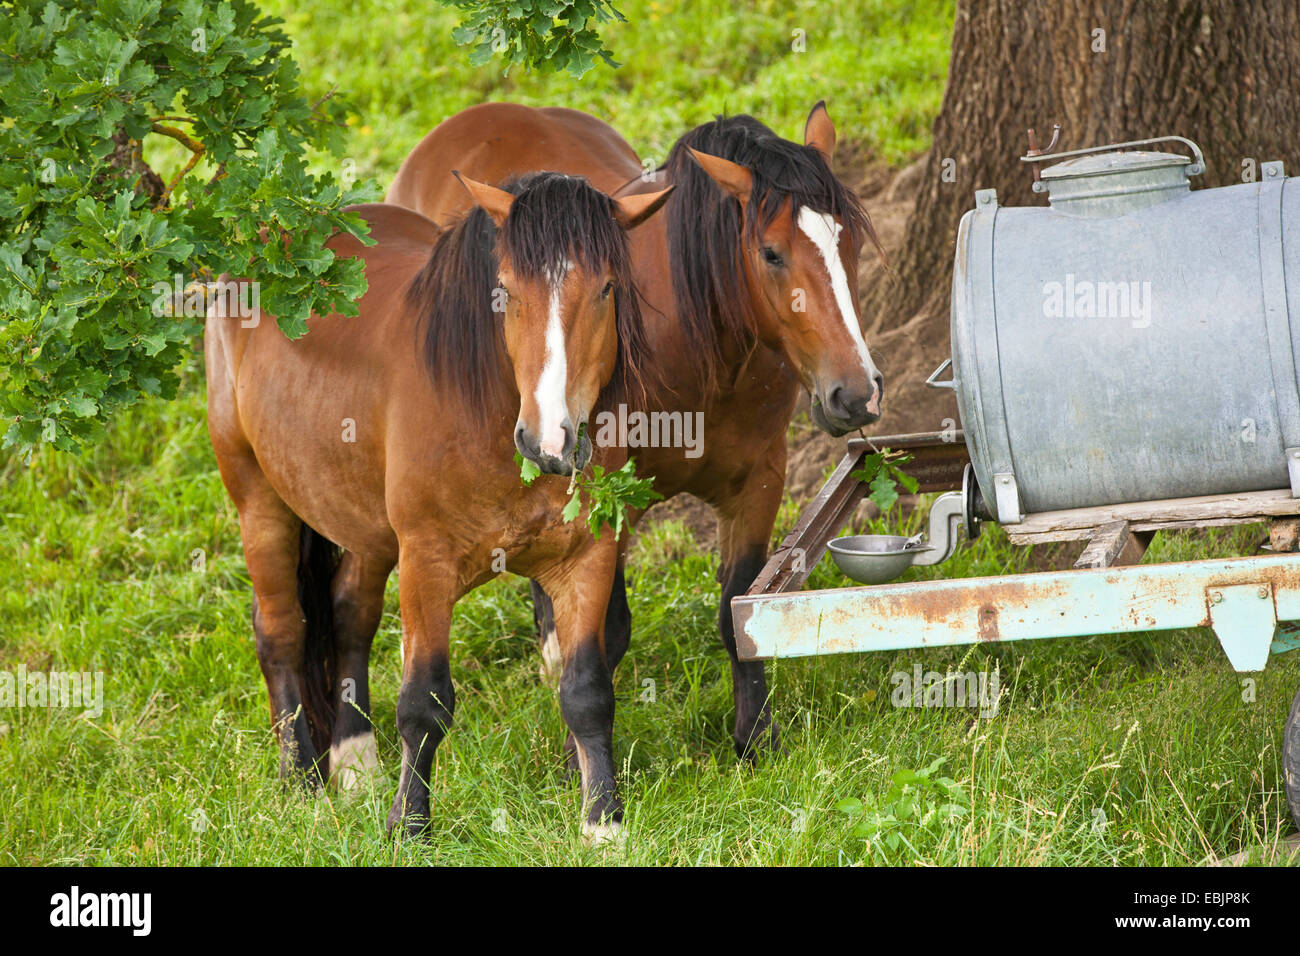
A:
(1132, 341)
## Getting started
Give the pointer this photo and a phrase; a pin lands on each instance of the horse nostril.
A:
(849, 405)
(837, 405)
(877, 395)
(561, 448)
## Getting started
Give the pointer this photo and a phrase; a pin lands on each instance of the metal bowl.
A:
(875, 558)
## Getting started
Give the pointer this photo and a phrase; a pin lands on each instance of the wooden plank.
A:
(1207, 511)
(1114, 544)
(1083, 534)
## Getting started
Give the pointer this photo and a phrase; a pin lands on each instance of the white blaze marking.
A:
(824, 232)
(551, 385)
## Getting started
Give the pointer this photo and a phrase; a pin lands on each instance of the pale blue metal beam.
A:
(1242, 599)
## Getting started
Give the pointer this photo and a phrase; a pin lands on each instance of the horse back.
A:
(493, 141)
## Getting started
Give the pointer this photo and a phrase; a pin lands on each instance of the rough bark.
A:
(1225, 74)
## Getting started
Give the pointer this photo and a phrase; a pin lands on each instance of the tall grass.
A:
(1135, 749)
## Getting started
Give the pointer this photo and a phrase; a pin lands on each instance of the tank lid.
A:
(1109, 164)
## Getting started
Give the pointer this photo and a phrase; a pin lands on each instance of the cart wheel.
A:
(1291, 759)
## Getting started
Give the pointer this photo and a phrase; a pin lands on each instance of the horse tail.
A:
(318, 559)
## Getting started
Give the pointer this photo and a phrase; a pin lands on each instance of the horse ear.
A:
(495, 202)
(819, 131)
(631, 211)
(734, 178)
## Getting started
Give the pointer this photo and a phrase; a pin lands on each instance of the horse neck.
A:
(670, 341)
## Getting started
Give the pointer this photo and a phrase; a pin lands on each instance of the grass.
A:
(1128, 750)
(880, 64)
(1135, 749)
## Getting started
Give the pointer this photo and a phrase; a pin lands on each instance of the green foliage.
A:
(90, 93)
(528, 469)
(609, 494)
(883, 472)
(917, 802)
(538, 34)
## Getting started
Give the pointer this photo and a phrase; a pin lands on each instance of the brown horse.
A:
(751, 285)
(389, 435)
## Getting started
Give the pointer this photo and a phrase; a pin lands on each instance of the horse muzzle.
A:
(573, 454)
(840, 408)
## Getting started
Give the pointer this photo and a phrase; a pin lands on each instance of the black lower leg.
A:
(543, 612)
(587, 704)
(618, 622)
(424, 711)
(754, 727)
(356, 633)
(618, 635)
(279, 652)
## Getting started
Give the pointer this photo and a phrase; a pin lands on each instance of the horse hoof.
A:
(604, 835)
(354, 762)
(409, 829)
(766, 741)
(411, 826)
(304, 781)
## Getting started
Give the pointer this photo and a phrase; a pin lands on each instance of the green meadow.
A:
(125, 560)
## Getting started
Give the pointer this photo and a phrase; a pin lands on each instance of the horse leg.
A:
(580, 593)
(358, 595)
(427, 700)
(618, 635)
(270, 534)
(744, 530)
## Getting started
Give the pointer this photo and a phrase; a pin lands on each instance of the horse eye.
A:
(609, 287)
(772, 257)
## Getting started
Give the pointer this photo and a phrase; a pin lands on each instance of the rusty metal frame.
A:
(1241, 599)
(1244, 600)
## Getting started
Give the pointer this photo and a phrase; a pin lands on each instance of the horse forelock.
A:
(556, 221)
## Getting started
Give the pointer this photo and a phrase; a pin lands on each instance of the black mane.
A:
(704, 224)
(554, 217)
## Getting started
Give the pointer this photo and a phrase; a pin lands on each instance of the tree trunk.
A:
(1223, 74)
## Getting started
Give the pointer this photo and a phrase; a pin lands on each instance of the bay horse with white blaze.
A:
(750, 281)
(440, 390)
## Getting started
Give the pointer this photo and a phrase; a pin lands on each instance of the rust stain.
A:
(741, 612)
(935, 606)
(989, 623)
